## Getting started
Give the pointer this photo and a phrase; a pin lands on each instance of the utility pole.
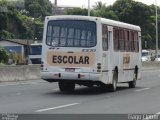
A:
(156, 53)
(88, 7)
(34, 29)
(28, 51)
(55, 9)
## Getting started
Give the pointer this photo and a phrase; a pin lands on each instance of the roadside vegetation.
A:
(3, 56)
(23, 19)
(131, 12)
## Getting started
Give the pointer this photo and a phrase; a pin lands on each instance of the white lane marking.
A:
(9, 84)
(142, 89)
(57, 107)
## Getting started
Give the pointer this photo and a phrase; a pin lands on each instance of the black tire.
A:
(66, 86)
(113, 87)
(104, 87)
(132, 84)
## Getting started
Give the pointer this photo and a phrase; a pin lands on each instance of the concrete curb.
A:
(145, 69)
(19, 73)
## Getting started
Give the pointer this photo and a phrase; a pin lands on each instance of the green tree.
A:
(100, 10)
(3, 15)
(38, 29)
(3, 55)
(77, 11)
(38, 8)
(137, 13)
(3, 20)
(99, 6)
(153, 23)
(16, 24)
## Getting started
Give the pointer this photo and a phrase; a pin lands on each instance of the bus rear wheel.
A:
(66, 86)
(113, 87)
(132, 84)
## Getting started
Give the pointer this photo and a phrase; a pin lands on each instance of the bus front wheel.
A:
(66, 86)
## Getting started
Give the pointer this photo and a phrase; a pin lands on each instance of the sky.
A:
(84, 3)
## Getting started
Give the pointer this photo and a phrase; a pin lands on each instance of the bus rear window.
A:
(71, 33)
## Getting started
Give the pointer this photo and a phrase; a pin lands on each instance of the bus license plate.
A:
(69, 69)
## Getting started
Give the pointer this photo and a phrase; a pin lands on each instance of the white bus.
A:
(35, 53)
(90, 51)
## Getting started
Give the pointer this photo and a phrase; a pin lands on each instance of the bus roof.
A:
(120, 24)
(102, 20)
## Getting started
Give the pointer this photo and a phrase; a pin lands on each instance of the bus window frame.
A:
(127, 36)
(80, 46)
(105, 37)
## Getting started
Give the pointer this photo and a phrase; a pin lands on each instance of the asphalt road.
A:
(40, 97)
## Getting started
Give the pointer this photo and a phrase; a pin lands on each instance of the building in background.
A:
(61, 10)
(17, 47)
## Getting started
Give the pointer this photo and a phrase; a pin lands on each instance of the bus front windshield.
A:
(71, 33)
(35, 50)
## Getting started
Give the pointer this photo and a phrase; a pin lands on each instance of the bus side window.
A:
(136, 42)
(129, 42)
(132, 41)
(116, 38)
(126, 34)
(121, 39)
(104, 37)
